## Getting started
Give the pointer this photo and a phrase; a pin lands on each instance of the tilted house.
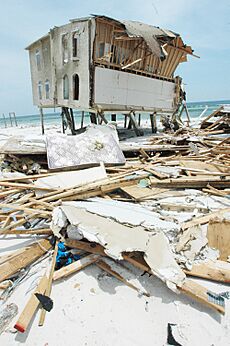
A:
(101, 64)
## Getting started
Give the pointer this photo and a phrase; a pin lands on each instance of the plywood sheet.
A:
(219, 237)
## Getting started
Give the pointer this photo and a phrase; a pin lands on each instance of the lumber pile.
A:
(166, 207)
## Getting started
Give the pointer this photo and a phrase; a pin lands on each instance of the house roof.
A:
(40, 39)
(152, 35)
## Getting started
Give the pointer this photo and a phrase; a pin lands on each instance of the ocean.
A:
(54, 118)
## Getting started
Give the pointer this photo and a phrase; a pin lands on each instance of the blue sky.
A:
(204, 24)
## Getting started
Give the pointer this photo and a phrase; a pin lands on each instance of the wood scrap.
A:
(75, 267)
(49, 284)
(20, 261)
(31, 307)
(218, 235)
(106, 267)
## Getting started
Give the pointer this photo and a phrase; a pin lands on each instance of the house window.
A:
(40, 90)
(65, 53)
(76, 87)
(47, 89)
(65, 87)
(38, 59)
(46, 55)
(75, 44)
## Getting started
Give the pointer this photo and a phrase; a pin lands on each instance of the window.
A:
(75, 44)
(76, 87)
(40, 90)
(65, 87)
(38, 59)
(65, 52)
(46, 55)
(47, 89)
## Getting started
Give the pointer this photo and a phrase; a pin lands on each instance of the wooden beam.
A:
(31, 307)
(107, 268)
(49, 284)
(28, 256)
(75, 267)
(216, 271)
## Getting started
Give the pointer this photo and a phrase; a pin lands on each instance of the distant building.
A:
(100, 64)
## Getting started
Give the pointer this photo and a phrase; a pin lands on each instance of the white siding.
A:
(121, 90)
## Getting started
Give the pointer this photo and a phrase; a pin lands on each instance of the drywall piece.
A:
(127, 213)
(192, 241)
(160, 259)
(117, 238)
(88, 148)
(65, 180)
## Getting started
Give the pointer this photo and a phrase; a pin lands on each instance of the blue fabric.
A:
(64, 256)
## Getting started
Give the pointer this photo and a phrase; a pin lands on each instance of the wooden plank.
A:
(189, 287)
(24, 186)
(218, 235)
(31, 307)
(204, 219)
(141, 193)
(88, 247)
(9, 191)
(211, 115)
(107, 268)
(32, 231)
(25, 209)
(30, 255)
(49, 284)
(28, 177)
(199, 293)
(191, 182)
(75, 267)
(216, 271)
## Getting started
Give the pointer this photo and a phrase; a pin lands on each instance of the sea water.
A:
(54, 118)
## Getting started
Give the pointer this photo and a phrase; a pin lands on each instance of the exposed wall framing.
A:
(114, 49)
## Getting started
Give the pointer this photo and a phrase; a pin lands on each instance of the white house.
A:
(100, 64)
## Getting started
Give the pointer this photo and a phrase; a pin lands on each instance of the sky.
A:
(203, 24)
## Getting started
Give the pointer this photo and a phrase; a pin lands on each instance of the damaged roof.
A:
(151, 34)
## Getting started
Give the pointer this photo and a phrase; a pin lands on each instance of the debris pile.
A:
(165, 210)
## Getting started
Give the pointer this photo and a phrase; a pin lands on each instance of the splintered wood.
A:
(181, 179)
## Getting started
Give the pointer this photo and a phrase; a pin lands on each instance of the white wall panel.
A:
(119, 90)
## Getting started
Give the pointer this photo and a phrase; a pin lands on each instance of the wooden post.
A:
(102, 117)
(93, 118)
(187, 113)
(15, 120)
(82, 119)
(135, 125)
(4, 118)
(63, 121)
(113, 117)
(139, 119)
(42, 119)
(153, 120)
(125, 122)
(73, 120)
(10, 120)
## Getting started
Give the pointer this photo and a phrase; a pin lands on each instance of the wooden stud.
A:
(31, 307)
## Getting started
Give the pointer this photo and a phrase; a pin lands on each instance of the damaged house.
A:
(100, 64)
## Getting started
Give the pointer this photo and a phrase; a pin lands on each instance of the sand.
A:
(92, 308)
